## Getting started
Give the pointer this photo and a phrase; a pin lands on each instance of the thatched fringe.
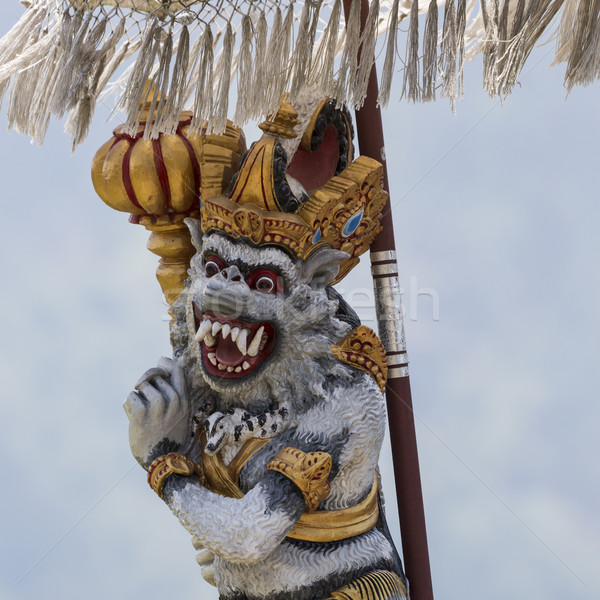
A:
(349, 58)
(410, 85)
(136, 92)
(324, 59)
(203, 99)
(579, 42)
(390, 55)
(367, 53)
(17, 40)
(162, 80)
(85, 86)
(223, 74)
(430, 43)
(448, 49)
(278, 69)
(62, 54)
(512, 31)
(256, 94)
(304, 45)
(244, 73)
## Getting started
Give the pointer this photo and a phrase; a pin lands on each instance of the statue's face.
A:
(254, 313)
(238, 302)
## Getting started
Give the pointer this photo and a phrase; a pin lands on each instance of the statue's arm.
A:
(242, 530)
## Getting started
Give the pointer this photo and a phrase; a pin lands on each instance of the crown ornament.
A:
(273, 204)
(157, 181)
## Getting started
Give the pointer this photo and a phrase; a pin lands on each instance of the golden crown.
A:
(337, 204)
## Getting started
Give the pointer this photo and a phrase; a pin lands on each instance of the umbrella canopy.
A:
(62, 55)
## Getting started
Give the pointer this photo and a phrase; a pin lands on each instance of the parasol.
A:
(63, 55)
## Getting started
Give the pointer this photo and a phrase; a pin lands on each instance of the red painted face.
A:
(265, 281)
(213, 265)
(233, 348)
(262, 280)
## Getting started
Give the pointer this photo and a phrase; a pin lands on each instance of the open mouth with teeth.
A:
(232, 348)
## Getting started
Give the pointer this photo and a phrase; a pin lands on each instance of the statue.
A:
(262, 433)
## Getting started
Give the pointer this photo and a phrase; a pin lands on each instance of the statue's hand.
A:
(159, 411)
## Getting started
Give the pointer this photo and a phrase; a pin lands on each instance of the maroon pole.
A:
(403, 438)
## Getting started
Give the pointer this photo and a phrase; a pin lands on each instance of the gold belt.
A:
(317, 526)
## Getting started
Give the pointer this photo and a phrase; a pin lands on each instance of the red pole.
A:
(405, 456)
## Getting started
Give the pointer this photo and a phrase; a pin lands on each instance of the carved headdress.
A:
(318, 196)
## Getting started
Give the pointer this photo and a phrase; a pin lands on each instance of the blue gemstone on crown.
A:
(352, 224)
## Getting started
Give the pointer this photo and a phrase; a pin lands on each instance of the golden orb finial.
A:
(283, 123)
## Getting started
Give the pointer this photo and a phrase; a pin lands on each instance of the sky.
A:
(496, 218)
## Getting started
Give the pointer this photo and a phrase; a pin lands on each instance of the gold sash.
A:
(317, 526)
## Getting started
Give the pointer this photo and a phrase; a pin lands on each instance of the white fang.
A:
(255, 345)
(241, 341)
(216, 327)
(225, 330)
(234, 333)
(204, 328)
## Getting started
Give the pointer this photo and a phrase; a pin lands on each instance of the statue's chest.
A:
(222, 470)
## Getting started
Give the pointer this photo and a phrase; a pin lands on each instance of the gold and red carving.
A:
(158, 182)
(252, 212)
(255, 182)
(308, 471)
(258, 226)
(356, 189)
(362, 348)
(306, 141)
(170, 464)
(282, 124)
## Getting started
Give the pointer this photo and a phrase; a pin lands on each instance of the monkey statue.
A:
(262, 433)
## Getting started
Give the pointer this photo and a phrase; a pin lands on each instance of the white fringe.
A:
(244, 74)
(279, 70)
(304, 45)
(512, 31)
(16, 41)
(136, 93)
(203, 100)
(257, 90)
(349, 59)
(176, 95)
(461, 23)
(85, 87)
(579, 42)
(63, 54)
(410, 85)
(448, 48)
(160, 100)
(367, 55)
(430, 42)
(218, 121)
(390, 56)
(323, 62)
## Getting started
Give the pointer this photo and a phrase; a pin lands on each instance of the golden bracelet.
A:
(170, 464)
(309, 471)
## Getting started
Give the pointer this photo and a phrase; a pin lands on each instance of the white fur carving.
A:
(301, 396)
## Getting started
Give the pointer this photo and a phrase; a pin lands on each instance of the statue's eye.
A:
(265, 281)
(213, 265)
(265, 284)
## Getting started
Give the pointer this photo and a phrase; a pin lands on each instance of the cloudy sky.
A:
(497, 219)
